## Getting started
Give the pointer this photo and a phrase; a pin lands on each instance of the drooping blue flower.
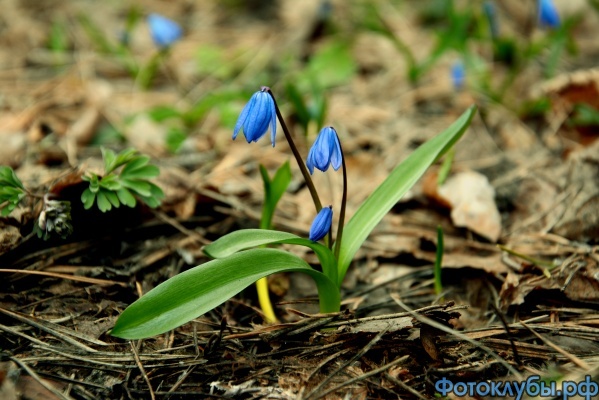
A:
(489, 10)
(548, 16)
(325, 151)
(321, 224)
(458, 75)
(163, 30)
(255, 117)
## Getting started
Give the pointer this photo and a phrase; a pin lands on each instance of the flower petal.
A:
(163, 30)
(336, 154)
(325, 151)
(241, 120)
(548, 15)
(321, 224)
(256, 116)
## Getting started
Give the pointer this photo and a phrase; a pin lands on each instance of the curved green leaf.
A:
(142, 188)
(87, 198)
(112, 198)
(401, 179)
(135, 163)
(194, 292)
(9, 177)
(103, 202)
(250, 238)
(110, 182)
(126, 197)
(273, 191)
(109, 159)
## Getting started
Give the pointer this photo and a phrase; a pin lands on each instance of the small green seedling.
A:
(126, 178)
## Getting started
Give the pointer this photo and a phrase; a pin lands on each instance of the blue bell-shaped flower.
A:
(548, 16)
(321, 224)
(163, 30)
(325, 151)
(458, 75)
(255, 117)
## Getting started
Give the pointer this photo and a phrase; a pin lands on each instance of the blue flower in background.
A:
(325, 151)
(163, 30)
(548, 16)
(458, 75)
(255, 117)
(321, 224)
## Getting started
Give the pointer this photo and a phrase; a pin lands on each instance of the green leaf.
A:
(112, 198)
(273, 191)
(109, 158)
(445, 168)
(58, 40)
(584, 115)
(87, 198)
(126, 197)
(150, 201)
(107, 134)
(110, 182)
(112, 161)
(401, 179)
(194, 292)
(9, 177)
(9, 192)
(126, 156)
(332, 65)
(103, 202)
(142, 188)
(134, 164)
(249, 238)
(94, 183)
(162, 113)
(174, 139)
(156, 194)
(147, 171)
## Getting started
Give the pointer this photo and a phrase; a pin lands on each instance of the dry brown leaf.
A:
(9, 237)
(578, 280)
(472, 201)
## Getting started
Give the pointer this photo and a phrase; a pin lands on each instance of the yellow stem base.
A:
(264, 299)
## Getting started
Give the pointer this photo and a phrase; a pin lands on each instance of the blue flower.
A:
(321, 224)
(548, 16)
(257, 114)
(163, 30)
(325, 151)
(458, 75)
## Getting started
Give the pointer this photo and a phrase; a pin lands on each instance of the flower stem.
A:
(298, 157)
(264, 299)
(341, 223)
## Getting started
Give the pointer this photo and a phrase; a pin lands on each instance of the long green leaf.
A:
(194, 292)
(401, 179)
(273, 191)
(250, 238)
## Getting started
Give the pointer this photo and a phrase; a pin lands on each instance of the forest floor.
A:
(519, 209)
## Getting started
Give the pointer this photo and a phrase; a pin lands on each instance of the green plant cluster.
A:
(122, 185)
(12, 190)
